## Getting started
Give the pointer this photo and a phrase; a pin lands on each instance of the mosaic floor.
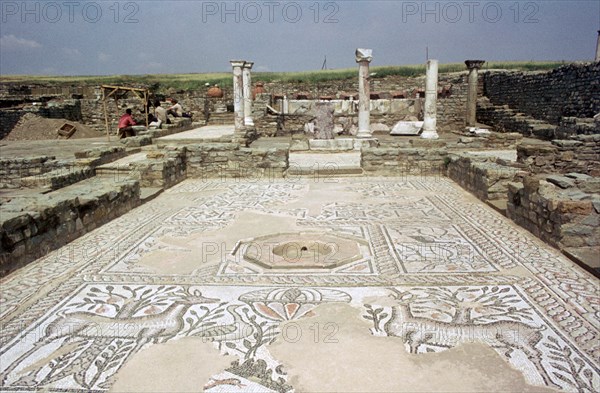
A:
(312, 284)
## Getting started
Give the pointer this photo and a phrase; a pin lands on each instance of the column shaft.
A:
(471, 113)
(430, 108)
(363, 58)
(247, 78)
(238, 94)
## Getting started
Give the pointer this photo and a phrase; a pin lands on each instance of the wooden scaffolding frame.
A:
(112, 90)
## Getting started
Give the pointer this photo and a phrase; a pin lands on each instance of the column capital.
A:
(248, 64)
(237, 63)
(364, 55)
(474, 64)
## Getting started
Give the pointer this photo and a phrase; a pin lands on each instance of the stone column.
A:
(246, 76)
(363, 58)
(473, 66)
(238, 94)
(430, 109)
(598, 47)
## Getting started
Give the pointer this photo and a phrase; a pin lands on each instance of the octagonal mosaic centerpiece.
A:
(302, 250)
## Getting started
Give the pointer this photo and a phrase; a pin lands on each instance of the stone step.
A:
(120, 168)
(149, 193)
(221, 118)
(499, 205)
(326, 164)
(211, 133)
(345, 172)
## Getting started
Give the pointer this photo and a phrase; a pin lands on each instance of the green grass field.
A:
(163, 82)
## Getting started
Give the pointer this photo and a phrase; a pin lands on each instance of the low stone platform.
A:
(345, 163)
(444, 295)
(210, 133)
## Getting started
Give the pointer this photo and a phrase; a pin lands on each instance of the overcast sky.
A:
(68, 37)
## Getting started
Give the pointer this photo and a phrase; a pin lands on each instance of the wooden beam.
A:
(123, 88)
(105, 115)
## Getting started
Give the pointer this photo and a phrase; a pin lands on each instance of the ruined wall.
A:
(581, 154)
(570, 90)
(409, 160)
(484, 178)
(31, 228)
(13, 169)
(564, 218)
(451, 104)
(230, 160)
(67, 109)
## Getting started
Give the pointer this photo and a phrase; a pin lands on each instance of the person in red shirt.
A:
(126, 124)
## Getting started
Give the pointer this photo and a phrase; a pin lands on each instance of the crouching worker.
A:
(161, 115)
(126, 124)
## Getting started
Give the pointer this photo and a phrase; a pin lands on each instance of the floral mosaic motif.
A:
(293, 303)
(431, 319)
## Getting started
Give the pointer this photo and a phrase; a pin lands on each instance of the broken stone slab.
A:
(591, 186)
(577, 195)
(561, 181)
(566, 143)
(407, 128)
(578, 176)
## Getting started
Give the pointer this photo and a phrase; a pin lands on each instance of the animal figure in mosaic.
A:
(507, 335)
(155, 328)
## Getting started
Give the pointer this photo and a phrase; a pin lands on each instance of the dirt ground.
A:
(32, 127)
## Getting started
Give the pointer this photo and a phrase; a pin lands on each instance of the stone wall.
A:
(58, 178)
(580, 154)
(230, 160)
(569, 91)
(567, 216)
(13, 169)
(65, 109)
(411, 159)
(504, 119)
(8, 120)
(485, 178)
(32, 227)
(163, 168)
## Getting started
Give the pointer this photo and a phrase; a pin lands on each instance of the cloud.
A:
(8, 42)
(71, 52)
(151, 66)
(104, 57)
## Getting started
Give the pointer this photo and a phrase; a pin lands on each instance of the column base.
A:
(248, 122)
(431, 134)
(364, 134)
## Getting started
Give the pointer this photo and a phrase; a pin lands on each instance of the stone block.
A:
(561, 181)
(575, 207)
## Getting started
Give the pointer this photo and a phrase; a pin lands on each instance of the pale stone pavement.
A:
(316, 284)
